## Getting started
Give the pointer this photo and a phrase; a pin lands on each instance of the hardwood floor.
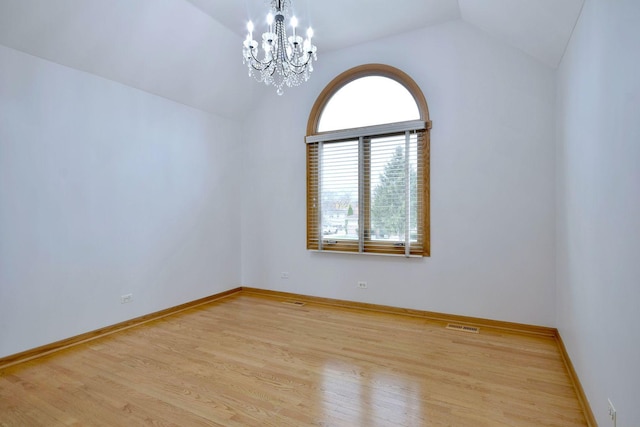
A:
(251, 360)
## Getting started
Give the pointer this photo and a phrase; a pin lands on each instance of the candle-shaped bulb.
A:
(294, 21)
(309, 33)
(250, 29)
(270, 21)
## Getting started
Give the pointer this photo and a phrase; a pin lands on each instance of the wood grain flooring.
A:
(250, 360)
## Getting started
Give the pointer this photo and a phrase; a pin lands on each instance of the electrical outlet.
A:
(362, 285)
(125, 299)
(612, 413)
(284, 275)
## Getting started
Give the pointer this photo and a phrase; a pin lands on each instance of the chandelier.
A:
(286, 60)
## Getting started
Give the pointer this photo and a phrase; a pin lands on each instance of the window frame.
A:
(314, 239)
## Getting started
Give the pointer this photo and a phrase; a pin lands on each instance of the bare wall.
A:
(106, 190)
(598, 161)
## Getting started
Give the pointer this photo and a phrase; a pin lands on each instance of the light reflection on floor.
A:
(353, 395)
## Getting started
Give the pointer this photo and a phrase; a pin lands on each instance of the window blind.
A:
(366, 190)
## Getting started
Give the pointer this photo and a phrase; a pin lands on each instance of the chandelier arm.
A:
(302, 66)
(253, 60)
(258, 68)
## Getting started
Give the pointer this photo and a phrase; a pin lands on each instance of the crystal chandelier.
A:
(286, 60)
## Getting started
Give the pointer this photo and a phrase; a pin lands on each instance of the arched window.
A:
(368, 165)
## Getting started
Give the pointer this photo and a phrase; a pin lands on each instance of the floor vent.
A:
(464, 328)
(296, 303)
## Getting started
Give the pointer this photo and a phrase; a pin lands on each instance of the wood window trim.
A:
(365, 71)
(312, 129)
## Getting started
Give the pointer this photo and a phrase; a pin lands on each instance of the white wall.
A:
(598, 228)
(106, 190)
(492, 184)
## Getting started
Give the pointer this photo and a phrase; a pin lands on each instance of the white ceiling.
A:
(165, 47)
(338, 23)
(540, 28)
(182, 49)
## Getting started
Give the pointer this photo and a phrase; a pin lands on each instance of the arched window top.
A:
(367, 95)
(367, 101)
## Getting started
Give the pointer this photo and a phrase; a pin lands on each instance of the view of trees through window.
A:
(388, 183)
(389, 217)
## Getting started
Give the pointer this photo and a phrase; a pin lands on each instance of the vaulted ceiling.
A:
(540, 28)
(180, 49)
